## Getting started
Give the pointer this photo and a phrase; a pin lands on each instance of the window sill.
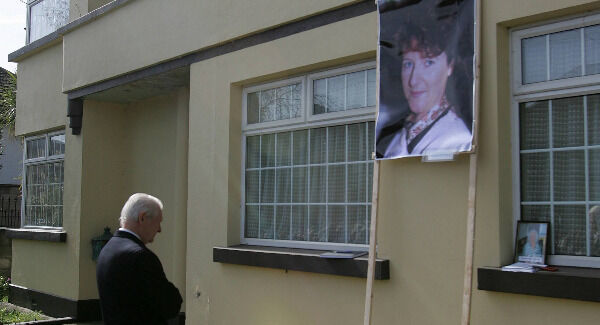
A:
(568, 282)
(304, 260)
(36, 234)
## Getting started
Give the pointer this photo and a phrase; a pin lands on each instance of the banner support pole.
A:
(372, 243)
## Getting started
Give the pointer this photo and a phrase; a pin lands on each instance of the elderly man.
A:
(132, 284)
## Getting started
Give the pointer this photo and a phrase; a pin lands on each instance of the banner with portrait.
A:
(426, 83)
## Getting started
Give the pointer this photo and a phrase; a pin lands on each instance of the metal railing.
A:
(10, 212)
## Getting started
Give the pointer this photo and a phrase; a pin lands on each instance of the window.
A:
(556, 111)
(45, 16)
(307, 171)
(43, 181)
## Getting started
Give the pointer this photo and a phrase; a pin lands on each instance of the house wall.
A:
(170, 30)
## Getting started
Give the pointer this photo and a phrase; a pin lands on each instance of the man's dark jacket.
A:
(132, 284)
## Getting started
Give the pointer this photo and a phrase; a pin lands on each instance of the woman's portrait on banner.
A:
(426, 77)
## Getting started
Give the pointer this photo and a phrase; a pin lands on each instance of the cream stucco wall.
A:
(41, 105)
(170, 30)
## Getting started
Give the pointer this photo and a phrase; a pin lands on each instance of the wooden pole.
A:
(469, 251)
(372, 243)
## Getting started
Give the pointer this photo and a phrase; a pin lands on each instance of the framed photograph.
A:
(531, 242)
(426, 83)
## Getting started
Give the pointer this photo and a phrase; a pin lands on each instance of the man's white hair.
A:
(140, 203)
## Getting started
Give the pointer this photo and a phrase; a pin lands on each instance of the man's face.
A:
(149, 227)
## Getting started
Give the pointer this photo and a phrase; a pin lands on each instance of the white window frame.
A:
(35, 161)
(364, 114)
(547, 90)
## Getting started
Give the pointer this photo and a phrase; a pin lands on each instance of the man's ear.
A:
(142, 217)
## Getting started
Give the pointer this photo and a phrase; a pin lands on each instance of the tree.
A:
(8, 100)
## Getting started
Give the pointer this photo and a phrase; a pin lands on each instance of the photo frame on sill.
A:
(531, 242)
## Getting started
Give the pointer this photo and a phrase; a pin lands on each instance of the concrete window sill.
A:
(36, 234)
(304, 260)
(568, 282)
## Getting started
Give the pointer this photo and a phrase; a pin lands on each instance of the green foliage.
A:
(4, 287)
(8, 316)
(8, 102)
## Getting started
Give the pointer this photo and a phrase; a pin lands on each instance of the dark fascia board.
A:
(299, 260)
(568, 282)
(295, 27)
(53, 37)
(36, 234)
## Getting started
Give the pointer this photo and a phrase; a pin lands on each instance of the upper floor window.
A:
(43, 181)
(307, 160)
(556, 110)
(45, 16)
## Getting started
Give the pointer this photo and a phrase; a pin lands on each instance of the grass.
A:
(8, 316)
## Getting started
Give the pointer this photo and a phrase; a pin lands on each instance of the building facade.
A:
(253, 121)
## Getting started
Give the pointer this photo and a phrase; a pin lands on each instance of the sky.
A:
(12, 30)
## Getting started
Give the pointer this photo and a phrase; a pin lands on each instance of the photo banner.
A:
(426, 78)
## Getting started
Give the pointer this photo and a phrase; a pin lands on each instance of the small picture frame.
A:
(531, 239)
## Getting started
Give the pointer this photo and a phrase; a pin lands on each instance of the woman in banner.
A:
(427, 46)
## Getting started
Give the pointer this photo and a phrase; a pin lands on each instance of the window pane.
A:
(296, 104)
(300, 181)
(318, 145)
(370, 140)
(253, 152)
(267, 150)
(540, 213)
(336, 93)
(266, 222)
(592, 49)
(284, 193)
(569, 175)
(319, 96)
(356, 90)
(267, 186)
(371, 84)
(593, 106)
(252, 102)
(535, 177)
(337, 183)
(533, 58)
(594, 172)
(316, 229)
(534, 125)
(357, 142)
(46, 17)
(252, 221)
(43, 194)
(337, 143)
(252, 186)
(282, 222)
(299, 222)
(284, 102)
(569, 223)
(567, 122)
(318, 178)
(300, 139)
(595, 230)
(284, 149)
(357, 183)
(357, 224)
(56, 145)
(336, 224)
(267, 105)
(565, 54)
(36, 148)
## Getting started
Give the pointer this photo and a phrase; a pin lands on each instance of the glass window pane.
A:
(539, 213)
(593, 116)
(284, 102)
(318, 178)
(47, 16)
(567, 122)
(595, 230)
(592, 49)
(337, 143)
(267, 105)
(296, 104)
(594, 172)
(36, 148)
(267, 185)
(318, 145)
(336, 224)
(252, 221)
(357, 142)
(284, 154)
(300, 181)
(56, 145)
(534, 125)
(299, 222)
(266, 222)
(535, 177)
(357, 224)
(319, 96)
(570, 230)
(284, 193)
(253, 152)
(371, 87)
(356, 90)
(336, 183)
(336, 93)
(370, 140)
(267, 150)
(565, 54)
(569, 175)
(252, 102)
(252, 186)
(282, 222)
(357, 183)
(317, 219)
(533, 59)
(300, 139)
